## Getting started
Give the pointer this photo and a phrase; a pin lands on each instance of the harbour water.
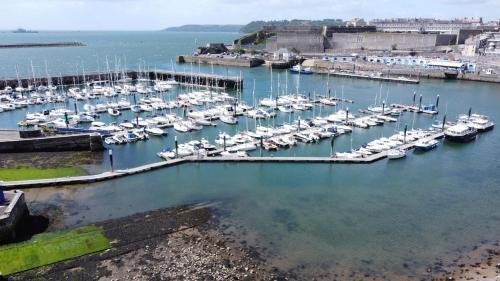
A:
(389, 217)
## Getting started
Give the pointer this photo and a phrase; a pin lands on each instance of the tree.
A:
(394, 46)
(295, 51)
(239, 50)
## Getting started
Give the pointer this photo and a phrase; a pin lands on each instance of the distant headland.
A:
(206, 28)
(251, 27)
(22, 30)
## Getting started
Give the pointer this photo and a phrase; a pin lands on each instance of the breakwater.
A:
(228, 61)
(41, 45)
(201, 79)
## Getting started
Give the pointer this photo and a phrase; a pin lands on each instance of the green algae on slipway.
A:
(29, 172)
(48, 248)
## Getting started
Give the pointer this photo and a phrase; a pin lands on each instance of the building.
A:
(282, 54)
(423, 62)
(492, 47)
(425, 25)
(487, 44)
(340, 58)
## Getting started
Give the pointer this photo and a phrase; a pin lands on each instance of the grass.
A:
(28, 172)
(48, 248)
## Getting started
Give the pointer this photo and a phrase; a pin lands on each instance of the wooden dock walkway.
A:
(193, 159)
(90, 178)
(375, 77)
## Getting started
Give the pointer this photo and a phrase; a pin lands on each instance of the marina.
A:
(195, 159)
(283, 157)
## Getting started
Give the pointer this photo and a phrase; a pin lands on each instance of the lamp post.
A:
(110, 153)
(176, 148)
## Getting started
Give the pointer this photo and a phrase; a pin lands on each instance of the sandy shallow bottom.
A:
(471, 262)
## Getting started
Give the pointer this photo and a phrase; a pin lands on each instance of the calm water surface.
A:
(363, 217)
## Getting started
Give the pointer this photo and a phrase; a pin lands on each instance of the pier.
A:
(41, 45)
(375, 77)
(194, 159)
(217, 60)
(199, 79)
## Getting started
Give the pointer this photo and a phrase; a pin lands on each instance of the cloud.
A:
(157, 14)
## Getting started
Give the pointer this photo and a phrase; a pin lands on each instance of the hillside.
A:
(258, 25)
(206, 28)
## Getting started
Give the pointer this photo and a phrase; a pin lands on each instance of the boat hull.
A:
(463, 138)
(425, 148)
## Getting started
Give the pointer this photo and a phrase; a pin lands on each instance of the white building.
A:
(282, 54)
(425, 24)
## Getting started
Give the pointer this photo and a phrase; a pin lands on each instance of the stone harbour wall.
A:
(12, 215)
(83, 142)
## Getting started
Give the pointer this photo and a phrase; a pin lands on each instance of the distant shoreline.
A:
(41, 45)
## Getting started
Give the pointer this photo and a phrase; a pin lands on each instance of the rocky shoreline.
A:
(191, 243)
(180, 243)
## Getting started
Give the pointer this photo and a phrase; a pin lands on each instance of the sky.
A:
(158, 14)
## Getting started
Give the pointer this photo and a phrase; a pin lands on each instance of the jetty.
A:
(221, 60)
(195, 159)
(375, 77)
(41, 45)
(188, 78)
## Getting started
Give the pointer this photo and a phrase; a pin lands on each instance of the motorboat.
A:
(396, 154)
(426, 144)
(155, 131)
(246, 146)
(478, 122)
(114, 112)
(270, 145)
(286, 108)
(203, 122)
(303, 137)
(224, 139)
(166, 154)
(180, 127)
(135, 108)
(460, 133)
(116, 139)
(299, 69)
(207, 146)
(234, 154)
(327, 101)
(228, 119)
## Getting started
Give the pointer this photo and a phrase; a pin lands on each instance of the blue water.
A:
(334, 218)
